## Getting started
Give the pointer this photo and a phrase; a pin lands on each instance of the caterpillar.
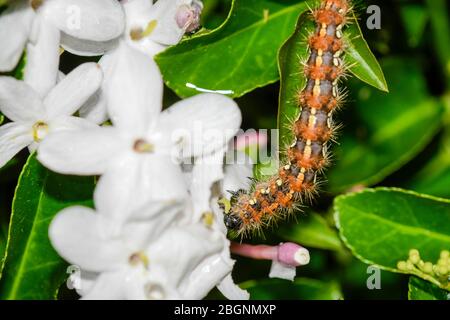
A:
(297, 179)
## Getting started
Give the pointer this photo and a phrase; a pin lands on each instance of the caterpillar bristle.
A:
(296, 182)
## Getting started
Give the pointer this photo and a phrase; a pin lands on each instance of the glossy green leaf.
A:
(440, 26)
(384, 131)
(419, 289)
(362, 63)
(3, 234)
(415, 19)
(381, 226)
(312, 231)
(300, 289)
(240, 55)
(2, 118)
(32, 269)
(434, 177)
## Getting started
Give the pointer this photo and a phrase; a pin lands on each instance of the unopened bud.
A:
(401, 265)
(188, 17)
(428, 267)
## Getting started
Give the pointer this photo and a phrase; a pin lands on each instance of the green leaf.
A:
(32, 269)
(362, 62)
(19, 70)
(3, 235)
(381, 226)
(240, 55)
(311, 231)
(300, 289)
(419, 289)
(2, 118)
(415, 19)
(384, 131)
(440, 26)
(434, 177)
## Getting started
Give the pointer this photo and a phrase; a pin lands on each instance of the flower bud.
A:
(428, 267)
(401, 265)
(414, 256)
(188, 17)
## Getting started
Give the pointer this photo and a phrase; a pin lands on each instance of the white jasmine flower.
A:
(210, 173)
(33, 117)
(42, 25)
(136, 155)
(150, 257)
(153, 27)
(150, 28)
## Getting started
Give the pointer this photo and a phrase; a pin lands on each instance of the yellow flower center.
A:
(40, 130)
(208, 219)
(138, 258)
(35, 4)
(142, 146)
(138, 33)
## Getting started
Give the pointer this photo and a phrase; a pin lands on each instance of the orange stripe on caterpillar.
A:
(283, 193)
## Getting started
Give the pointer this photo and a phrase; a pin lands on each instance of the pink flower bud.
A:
(188, 17)
(289, 254)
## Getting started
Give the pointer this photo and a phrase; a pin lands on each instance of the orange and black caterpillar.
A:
(282, 194)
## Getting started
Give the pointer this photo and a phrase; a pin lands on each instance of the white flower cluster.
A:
(156, 232)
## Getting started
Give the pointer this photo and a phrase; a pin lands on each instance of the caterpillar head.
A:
(232, 222)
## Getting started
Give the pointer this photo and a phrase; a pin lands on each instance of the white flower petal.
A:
(15, 25)
(95, 20)
(13, 138)
(167, 31)
(87, 48)
(139, 13)
(182, 249)
(282, 271)
(108, 286)
(203, 123)
(238, 170)
(86, 152)
(135, 286)
(205, 173)
(84, 281)
(65, 123)
(41, 69)
(18, 101)
(146, 224)
(74, 90)
(156, 285)
(95, 108)
(133, 90)
(231, 291)
(147, 46)
(133, 180)
(205, 277)
(78, 236)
